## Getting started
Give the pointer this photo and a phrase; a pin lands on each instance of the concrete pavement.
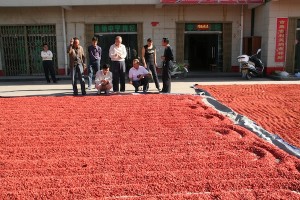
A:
(39, 87)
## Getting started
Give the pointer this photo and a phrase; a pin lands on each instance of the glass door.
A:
(203, 51)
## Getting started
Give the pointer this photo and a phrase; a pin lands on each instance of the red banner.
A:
(281, 36)
(211, 1)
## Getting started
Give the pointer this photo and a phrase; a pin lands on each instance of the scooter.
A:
(179, 71)
(251, 66)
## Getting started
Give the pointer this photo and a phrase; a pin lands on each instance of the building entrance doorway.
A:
(203, 51)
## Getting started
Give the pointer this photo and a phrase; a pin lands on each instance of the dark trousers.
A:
(118, 73)
(152, 68)
(143, 82)
(94, 66)
(166, 76)
(48, 67)
(77, 74)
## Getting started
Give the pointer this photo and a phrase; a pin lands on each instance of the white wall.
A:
(30, 15)
(167, 16)
(261, 29)
(126, 14)
(28, 3)
(287, 8)
(36, 16)
(266, 23)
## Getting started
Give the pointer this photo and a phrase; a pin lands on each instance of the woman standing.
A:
(47, 56)
(149, 60)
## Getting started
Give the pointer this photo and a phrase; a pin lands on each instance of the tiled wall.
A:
(167, 16)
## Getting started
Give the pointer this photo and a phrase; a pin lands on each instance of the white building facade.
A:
(203, 33)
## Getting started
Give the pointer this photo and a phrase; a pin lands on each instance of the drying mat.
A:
(275, 108)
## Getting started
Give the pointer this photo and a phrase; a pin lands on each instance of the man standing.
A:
(297, 56)
(138, 76)
(95, 56)
(47, 56)
(117, 53)
(167, 66)
(77, 60)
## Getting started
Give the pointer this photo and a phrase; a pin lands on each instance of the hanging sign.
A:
(203, 27)
(281, 36)
(211, 1)
(115, 28)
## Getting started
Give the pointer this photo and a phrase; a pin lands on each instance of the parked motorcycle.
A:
(251, 66)
(179, 70)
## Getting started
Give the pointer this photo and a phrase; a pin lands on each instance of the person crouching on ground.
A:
(103, 80)
(138, 76)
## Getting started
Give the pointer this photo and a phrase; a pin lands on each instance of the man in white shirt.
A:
(103, 80)
(47, 56)
(118, 53)
(138, 76)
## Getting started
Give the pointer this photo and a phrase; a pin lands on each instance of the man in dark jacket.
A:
(95, 52)
(167, 66)
(77, 60)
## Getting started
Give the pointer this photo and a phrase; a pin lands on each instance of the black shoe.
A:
(75, 94)
(84, 93)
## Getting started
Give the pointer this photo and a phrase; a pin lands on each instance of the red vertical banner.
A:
(281, 36)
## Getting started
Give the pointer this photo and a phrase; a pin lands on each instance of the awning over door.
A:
(211, 1)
